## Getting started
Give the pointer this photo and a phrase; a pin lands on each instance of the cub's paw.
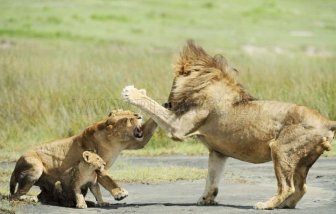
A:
(119, 193)
(203, 201)
(133, 95)
(81, 205)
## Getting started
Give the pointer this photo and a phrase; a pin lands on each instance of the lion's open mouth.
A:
(137, 132)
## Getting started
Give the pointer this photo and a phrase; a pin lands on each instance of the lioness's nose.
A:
(138, 116)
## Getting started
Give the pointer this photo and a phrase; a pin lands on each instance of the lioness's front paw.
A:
(206, 202)
(133, 95)
(262, 206)
(26, 198)
(119, 193)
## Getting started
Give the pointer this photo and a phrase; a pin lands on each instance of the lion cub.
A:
(79, 177)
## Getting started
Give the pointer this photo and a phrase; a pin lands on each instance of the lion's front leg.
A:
(139, 98)
(106, 181)
(177, 127)
(216, 164)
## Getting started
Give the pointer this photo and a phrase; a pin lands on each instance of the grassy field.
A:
(63, 63)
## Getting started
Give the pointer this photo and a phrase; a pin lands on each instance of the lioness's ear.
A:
(108, 124)
(86, 156)
(128, 124)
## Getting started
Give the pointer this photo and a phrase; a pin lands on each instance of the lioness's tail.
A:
(12, 184)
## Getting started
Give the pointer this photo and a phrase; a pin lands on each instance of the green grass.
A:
(63, 64)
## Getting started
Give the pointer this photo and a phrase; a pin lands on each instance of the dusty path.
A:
(243, 185)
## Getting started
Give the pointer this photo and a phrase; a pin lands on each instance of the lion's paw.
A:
(119, 193)
(133, 95)
(206, 202)
(262, 206)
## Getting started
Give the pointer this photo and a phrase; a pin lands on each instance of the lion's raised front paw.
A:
(119, 193)
(133, 95)
(206, 202)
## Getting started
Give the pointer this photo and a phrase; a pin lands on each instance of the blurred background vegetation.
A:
(64, 63)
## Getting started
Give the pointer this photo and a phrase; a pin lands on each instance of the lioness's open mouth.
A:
(137, 132)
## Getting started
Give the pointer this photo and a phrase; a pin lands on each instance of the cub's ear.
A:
(86, 156)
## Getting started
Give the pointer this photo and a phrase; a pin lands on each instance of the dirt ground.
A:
(242, 186)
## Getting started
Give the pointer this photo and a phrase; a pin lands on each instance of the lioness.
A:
(206, 100)
(85, 173)
(46, 164)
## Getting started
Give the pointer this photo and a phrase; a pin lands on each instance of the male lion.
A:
(46, 164)
(207, 101)
(85, 173)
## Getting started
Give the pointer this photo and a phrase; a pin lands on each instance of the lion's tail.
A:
(13, 182)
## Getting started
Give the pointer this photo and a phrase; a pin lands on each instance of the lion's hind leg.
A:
(301, 173)
(293, 153)
(300, 187)
(284, 171)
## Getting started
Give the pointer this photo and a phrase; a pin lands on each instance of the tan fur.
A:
(207, 101)
(46, 164)
(85, 173)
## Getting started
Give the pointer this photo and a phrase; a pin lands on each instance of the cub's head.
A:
(120, 126)
(94, 161)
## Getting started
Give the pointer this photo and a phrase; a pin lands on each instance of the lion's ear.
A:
(86, 156)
